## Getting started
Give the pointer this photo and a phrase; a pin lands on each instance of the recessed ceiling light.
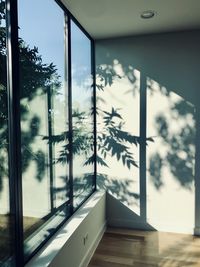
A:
(147, 14)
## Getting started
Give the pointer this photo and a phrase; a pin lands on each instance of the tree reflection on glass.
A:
(6, 224)
(82, 118)
(43, 114)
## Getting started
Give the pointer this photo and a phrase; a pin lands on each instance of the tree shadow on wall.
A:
(176, 131)
(107, 75)
(111, 140)
(179, 144)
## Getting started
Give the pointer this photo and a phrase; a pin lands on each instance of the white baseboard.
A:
(115, 222)
(154, 225)
(85, 261)
(173, 227)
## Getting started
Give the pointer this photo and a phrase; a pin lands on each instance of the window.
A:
(82, 118)
(56, 124)
(6, 219)
(43, 119)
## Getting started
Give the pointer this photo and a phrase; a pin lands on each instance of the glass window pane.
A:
(82, 117)
(6, 243)
(44, 128)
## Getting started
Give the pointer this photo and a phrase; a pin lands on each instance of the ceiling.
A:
(113, 18)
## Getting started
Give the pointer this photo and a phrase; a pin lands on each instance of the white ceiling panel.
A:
(113, 18)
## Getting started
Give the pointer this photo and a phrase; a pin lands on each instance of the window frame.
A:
(15, 169)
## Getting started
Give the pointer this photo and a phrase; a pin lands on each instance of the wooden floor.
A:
(125, 248)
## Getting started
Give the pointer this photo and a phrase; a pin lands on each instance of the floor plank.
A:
(125, 248)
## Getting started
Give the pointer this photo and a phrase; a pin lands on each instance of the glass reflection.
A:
(82, 118)
(5, 218)
(43, 119)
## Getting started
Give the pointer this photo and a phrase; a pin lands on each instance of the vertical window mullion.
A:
(94, 111)
(143, 122)
(14, 127)
(51, 176)
(70, 130)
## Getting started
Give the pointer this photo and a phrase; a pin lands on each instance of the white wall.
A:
(169, 64)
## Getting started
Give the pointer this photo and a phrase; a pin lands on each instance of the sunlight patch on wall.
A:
(170, 159)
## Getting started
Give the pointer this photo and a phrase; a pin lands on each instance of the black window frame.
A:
(15, 173)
